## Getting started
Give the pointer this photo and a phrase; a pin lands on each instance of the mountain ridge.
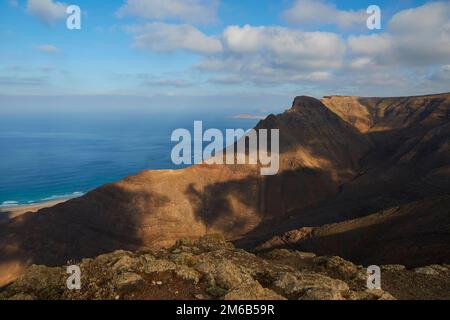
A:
(330, 172)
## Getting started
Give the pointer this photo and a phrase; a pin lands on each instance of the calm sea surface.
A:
(48, 156)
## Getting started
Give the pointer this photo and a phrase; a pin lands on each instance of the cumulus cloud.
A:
(274, 54)
(47, 11)
(411, 56)
(415, 37)
(318, 13)
(48, 48)
(192, 11)
(162, 37)
(286, 47)
(249, 53)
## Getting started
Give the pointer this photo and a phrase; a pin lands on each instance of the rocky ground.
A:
(211, 268)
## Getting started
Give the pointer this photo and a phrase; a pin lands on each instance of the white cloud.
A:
(193, 11)
(162, 37)
(270, 55)
(410, 57)
(422, 35)
(418, 36)
(48, 48)
(360, 63)
(375, 44)
(286, 47)
(249, 53)
(46, 10)
(318, 13)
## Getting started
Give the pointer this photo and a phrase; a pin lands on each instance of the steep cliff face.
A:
(351, 110)
(332, 168)
(318, 153)
(396, 209)
(384, 114)
(410, 158)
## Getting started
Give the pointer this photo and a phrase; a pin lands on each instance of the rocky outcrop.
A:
(211, 268)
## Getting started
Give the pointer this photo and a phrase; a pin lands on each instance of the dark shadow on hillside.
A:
(414, 235)
(99, 222)
(258, 204)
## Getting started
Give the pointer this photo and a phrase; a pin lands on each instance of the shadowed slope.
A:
(414, 234)
(401, 191)
(411, 154)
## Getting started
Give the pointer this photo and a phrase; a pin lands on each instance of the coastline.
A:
(8, 213)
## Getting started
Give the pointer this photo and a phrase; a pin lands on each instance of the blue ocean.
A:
(52, 156)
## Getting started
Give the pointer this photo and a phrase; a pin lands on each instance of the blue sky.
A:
(225, 53)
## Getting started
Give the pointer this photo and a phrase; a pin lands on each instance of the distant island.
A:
(247, 116)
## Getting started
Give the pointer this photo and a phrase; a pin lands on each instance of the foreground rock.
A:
(211, 268)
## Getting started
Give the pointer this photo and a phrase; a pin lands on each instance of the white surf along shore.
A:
(12, 209)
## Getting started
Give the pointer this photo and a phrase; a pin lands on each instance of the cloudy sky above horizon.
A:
(211, 49)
